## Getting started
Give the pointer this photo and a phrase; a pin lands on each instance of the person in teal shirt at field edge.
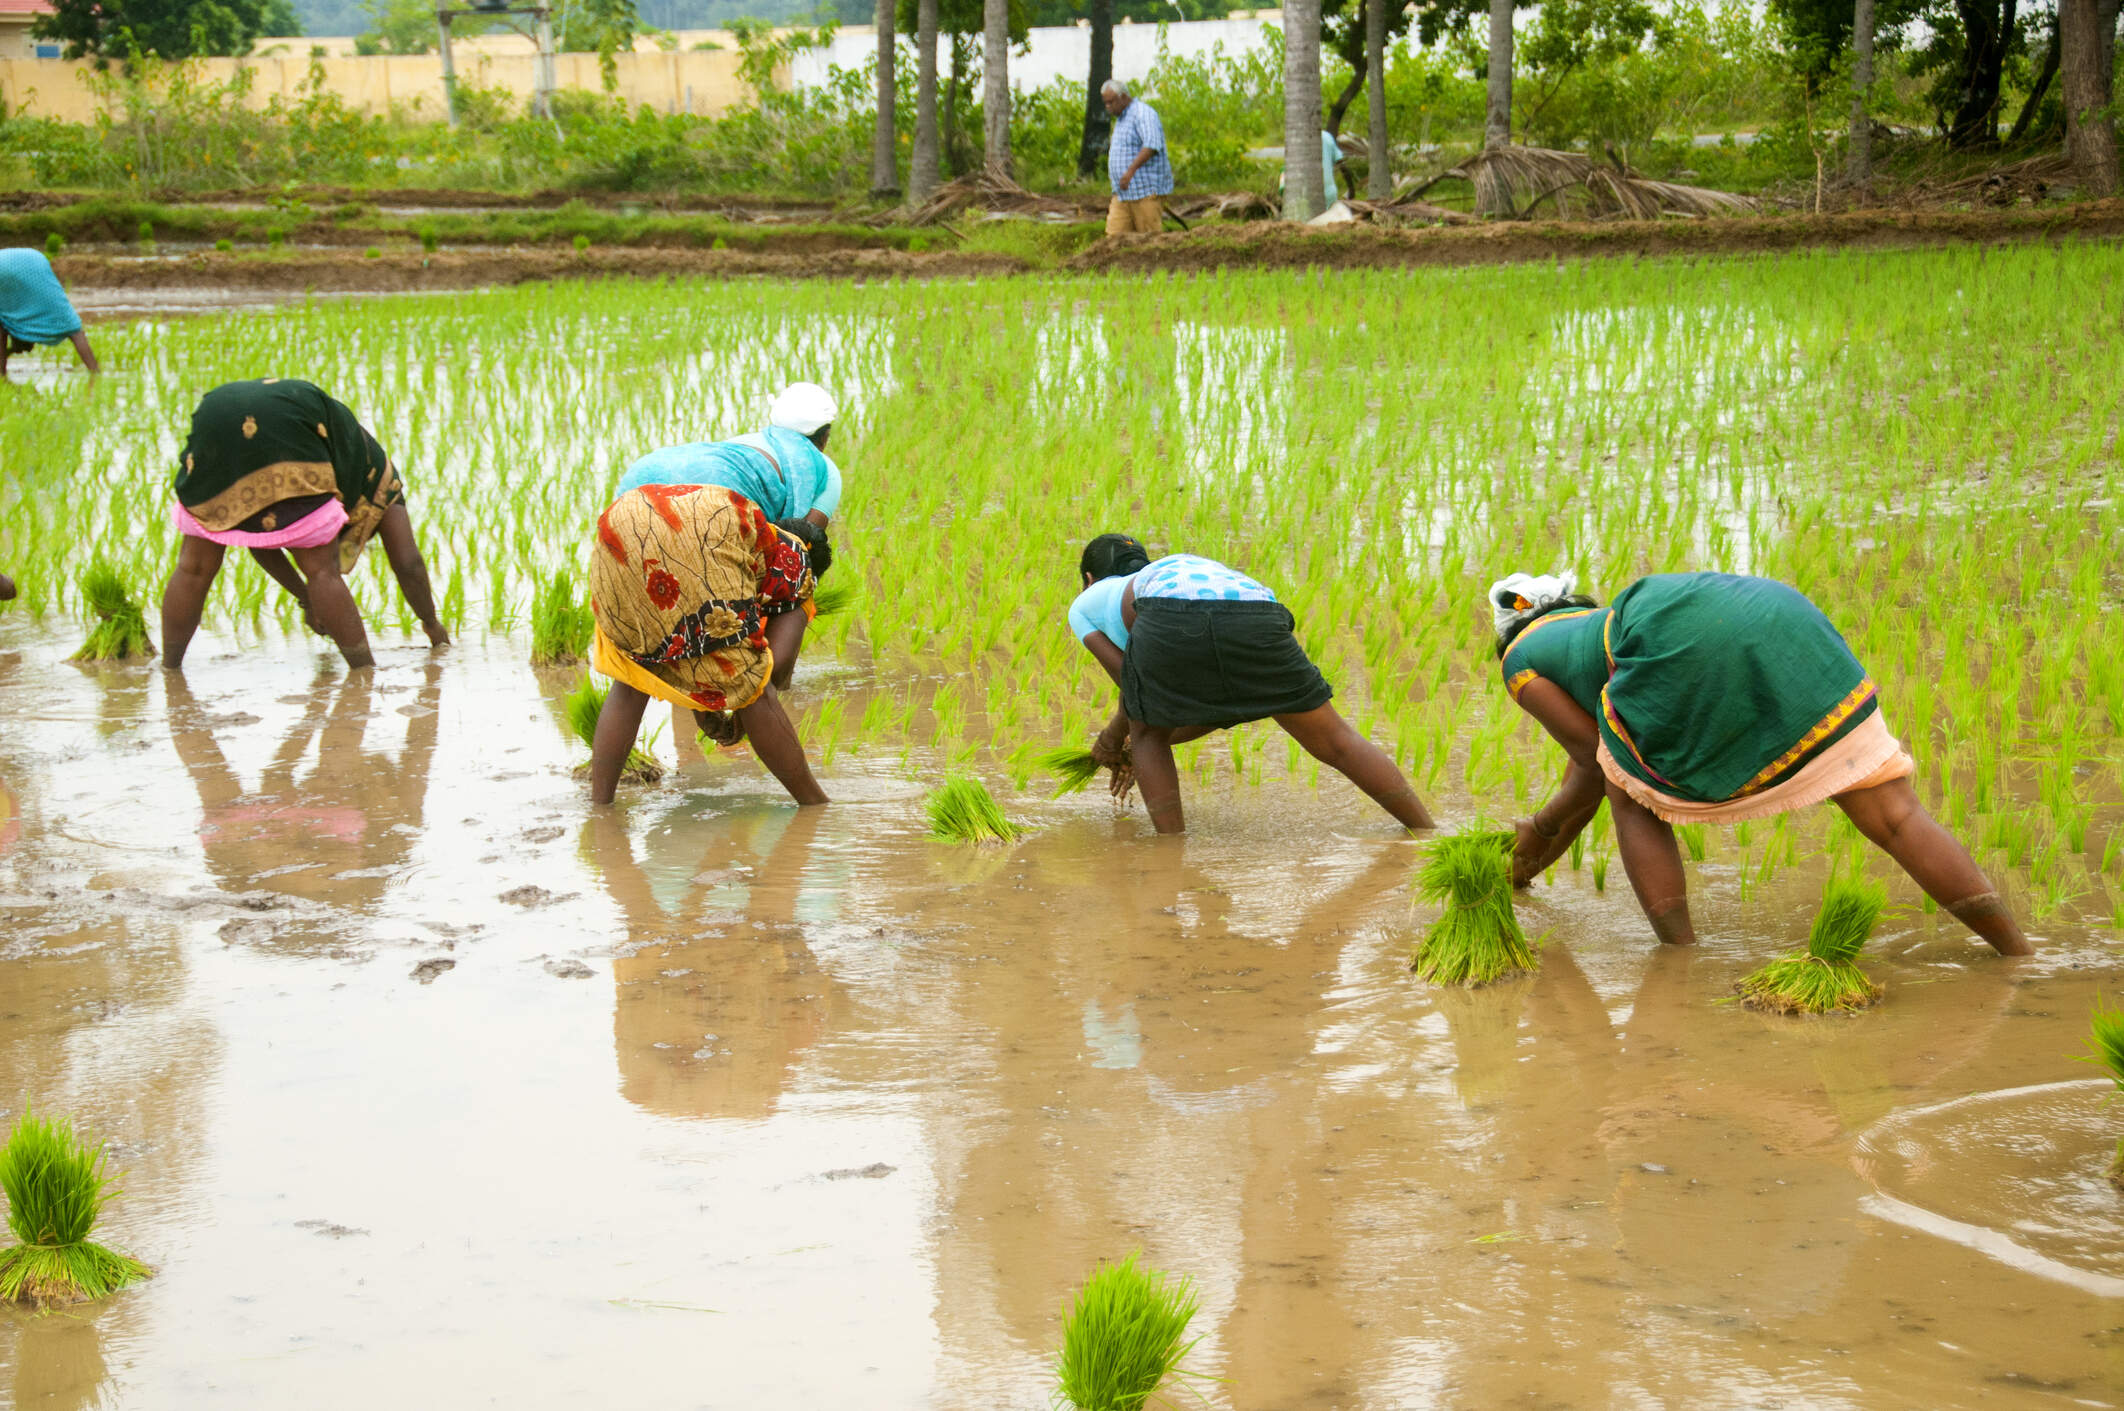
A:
(34, 309)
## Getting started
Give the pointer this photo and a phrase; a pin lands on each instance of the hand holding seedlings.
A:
(1659, 703)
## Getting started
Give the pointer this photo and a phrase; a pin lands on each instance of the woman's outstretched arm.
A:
(1548, 835)
(411, 570)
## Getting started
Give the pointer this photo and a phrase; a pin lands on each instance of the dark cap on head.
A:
(1111, 555)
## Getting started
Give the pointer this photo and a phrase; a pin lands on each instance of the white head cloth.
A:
(802, 407)
(1520, 593)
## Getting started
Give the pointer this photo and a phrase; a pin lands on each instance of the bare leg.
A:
(1653, 863)
(785, 638)
(184, 596)
(1332, 740)
(1895, 822)
(1157, 776)
(775, 741)
(617, 725)
(332, 605)
(411, 571)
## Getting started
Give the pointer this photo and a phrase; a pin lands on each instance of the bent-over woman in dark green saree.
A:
(275, 466)
(1710, 697)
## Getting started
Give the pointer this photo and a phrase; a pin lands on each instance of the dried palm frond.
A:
(1515, 180)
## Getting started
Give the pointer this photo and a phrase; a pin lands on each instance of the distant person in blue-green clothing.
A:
(34, 309)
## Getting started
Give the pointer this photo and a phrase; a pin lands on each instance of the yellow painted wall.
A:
(688, 81)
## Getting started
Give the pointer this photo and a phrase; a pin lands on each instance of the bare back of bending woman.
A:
(694, 594)
(276, 467)
(1196, 647)
(1709, 697)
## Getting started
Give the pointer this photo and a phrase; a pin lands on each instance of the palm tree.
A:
(1497, 114)
(1379, 183)
(884, 142)
(1860, 167)
(995, 87)
(922, 168)
(1303, 197)
(2087, 37)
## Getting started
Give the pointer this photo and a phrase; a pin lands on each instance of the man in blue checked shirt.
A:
(1136, 163)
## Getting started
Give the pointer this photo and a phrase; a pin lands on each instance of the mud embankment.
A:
(1263, 245)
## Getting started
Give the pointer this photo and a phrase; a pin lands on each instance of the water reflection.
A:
(58, 1362)
(334, 818)
(717, 996)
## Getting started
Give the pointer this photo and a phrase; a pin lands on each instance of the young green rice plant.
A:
(2105, 1049)
(1695, 840)
(1072, 765)
(121, 631)
(1124, 1336)
(56, 1188)
(561, 624)
(1477, 937)
(1824, 978)
(962, 810)
(582, 708)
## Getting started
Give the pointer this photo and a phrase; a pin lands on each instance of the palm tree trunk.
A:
(884, 139)
(922, 167)
(1379, 183)
(2086, 41)
(1097, 126)
(951, 106)
(1302, 179)
(995, 87)
(1860, 166)
(1497, 112)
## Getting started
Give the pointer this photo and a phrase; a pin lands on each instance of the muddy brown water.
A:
(429, 1085)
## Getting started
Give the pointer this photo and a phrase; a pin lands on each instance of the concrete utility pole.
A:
(449, 69)
(542, 79)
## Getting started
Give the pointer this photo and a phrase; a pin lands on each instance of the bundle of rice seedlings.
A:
(837, 596)
(583, 706)
(560, 624)
(121, 629)
(1824, 977)
(1477, 938)
(963, 811)
(1072, 765)
(1122, 1337)
(56, 1189)
(2105, 1049)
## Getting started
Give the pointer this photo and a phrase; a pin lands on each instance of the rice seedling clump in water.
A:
(584, 704)
(56, 1189)
(963, 811)
(1477, 938)
(561, 624)
(2105, 1049)
(1072, 765)
(1122, 1337)
(121, 629)
(1825, 977)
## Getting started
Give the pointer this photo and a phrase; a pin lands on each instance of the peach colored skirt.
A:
(1866, 757)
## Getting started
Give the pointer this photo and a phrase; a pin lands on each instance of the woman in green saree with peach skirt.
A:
(1713, 698)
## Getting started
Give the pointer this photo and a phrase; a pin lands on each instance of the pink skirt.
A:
(1867, 757)
(314, 530)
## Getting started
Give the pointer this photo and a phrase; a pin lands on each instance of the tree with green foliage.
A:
(163, 29)
(956, 22)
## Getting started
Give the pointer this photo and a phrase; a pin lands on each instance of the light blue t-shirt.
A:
(776, 469)
(1188, 576)
(1098, 609)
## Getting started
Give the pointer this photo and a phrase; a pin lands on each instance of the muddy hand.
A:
(438, 636)
(721, 727)
(1529, 852)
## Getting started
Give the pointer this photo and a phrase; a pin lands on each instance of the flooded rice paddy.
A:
(430, 1083)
